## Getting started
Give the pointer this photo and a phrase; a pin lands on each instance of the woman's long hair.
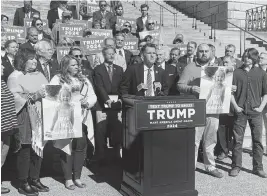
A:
(64, 66)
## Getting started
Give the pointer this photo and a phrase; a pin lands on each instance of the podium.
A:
(159, 145)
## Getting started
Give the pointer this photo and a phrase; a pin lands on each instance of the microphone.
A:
(157, 88)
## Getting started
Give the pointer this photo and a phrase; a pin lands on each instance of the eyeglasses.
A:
(77, 56)
(39, 24)
(103, 5)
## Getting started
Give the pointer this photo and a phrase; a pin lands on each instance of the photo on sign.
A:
(62, 112)
(215, 87)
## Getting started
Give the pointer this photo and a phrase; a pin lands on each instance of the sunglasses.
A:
(77, 56)
(151, 23)
(39, 24)
(127, 25)
(103, 5)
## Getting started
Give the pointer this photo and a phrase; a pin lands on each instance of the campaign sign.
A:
(91, 7)
(131, 44)
(154, 34)
(122, 20)
(20, 31)
(12, 36)
(170, 114)
(71, 30)
(102, 33)
(82, 22)
(92, 45)
(28, 23)
(61, 52)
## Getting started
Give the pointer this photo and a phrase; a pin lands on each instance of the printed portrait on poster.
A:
(61, 113)
(215, 87)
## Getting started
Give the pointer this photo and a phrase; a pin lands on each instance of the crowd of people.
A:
(151, 71)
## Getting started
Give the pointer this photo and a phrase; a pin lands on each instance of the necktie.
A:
(46, 74)
(120, 53)
(149, 83)
(190, 59)
(110, 72)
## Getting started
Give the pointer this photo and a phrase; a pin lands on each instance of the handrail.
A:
(161, 14)
(256, 7)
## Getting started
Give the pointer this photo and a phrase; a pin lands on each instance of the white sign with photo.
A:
(61, 113)
(215, 87)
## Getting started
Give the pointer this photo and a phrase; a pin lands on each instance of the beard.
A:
(203, 60)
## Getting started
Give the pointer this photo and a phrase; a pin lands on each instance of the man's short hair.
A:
(175, 48)
(252, 54)
(108, 38)
(4, 16)
(143, 6)
(149, 45)
(212, 47)
(39, 45)
(101, 2)
(107, 48)
(30, 29)
(118, 6)
(230, 46)
(73, 48)
(192, 42)
(119, 34)
(8, 42)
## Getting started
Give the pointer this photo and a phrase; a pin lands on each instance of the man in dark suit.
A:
(11, 48)
(126, 54)
(189, 57)
(142, 20)
(113, 19)
(45, 63)
(108, 115)
(102, 13)
(145, 79)
(24, 12)
(213, 59)
(170, 71)
(56, 13)
(230, 51)
(32, 36)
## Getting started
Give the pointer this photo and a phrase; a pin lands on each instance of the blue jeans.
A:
(255, 123)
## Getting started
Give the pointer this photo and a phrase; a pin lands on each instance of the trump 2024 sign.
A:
(170, 114)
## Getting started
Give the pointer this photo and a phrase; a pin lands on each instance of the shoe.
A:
(70, 187)
(260, 173)
(38, 186)
(234, 172)
(222, 156)
(79, 185)
(216, 173)
(4, 190)
(27, 190)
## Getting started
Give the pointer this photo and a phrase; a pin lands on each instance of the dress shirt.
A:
(144, 19)
(108, 65)
(152, 74)
(162, 65)
(104, 13)
(190, 58)
(60, 11)
(122, 51)
(11, 60)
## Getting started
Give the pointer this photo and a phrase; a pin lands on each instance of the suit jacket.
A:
(87, 70)
(98, 16)
(182, 63)
(26, 45)
(53, 67)
(8, 68)
(238, 63)
(139, 25)
(20, 15)
(172, 78)
(52, 16)
(103, 85)
(134, 75)
(128, 56)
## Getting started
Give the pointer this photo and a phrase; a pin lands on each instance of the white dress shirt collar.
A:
(60, 11)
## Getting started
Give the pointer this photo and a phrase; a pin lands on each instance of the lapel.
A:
(140, 70)
(156, 72)
(23, 13)
(105, 72)
(6, 59)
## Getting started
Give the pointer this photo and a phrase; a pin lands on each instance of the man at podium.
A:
(144, 79)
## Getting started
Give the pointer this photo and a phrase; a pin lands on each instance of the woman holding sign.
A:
(73, 150)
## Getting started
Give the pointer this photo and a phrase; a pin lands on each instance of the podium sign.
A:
(169, 114)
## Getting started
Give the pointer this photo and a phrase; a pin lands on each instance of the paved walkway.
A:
(107, 182)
